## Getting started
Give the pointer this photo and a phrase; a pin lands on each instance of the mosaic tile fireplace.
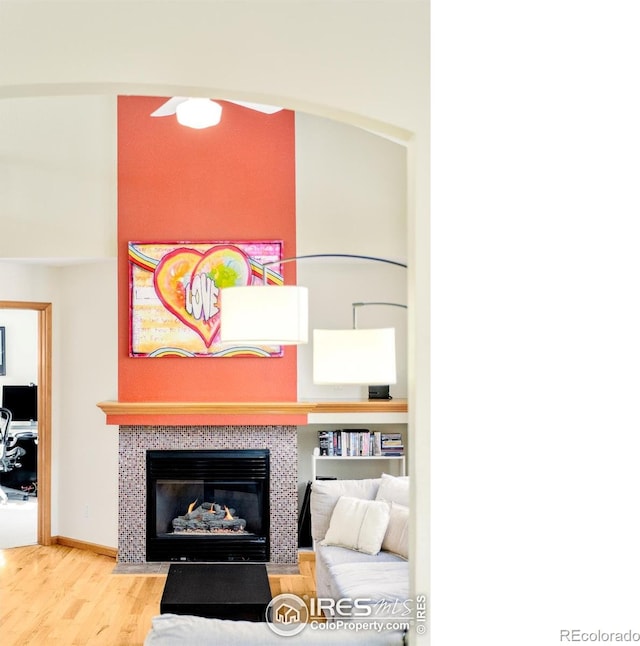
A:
(135, 441)
(208, 505)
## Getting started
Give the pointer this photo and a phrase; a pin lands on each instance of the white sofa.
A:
(187, 630)
(343, 572)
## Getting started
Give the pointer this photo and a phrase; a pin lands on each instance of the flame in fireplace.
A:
(191, 506)
(227, 515)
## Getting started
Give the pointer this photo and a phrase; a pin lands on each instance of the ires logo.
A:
(340, 607)
(287, 615)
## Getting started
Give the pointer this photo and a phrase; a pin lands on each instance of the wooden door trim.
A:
(44, 411)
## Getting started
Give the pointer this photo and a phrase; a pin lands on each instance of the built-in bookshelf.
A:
(359, 444)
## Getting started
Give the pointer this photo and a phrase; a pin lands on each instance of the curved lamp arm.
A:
(328, 255)
(356, 305)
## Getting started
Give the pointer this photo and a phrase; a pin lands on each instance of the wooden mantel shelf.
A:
(252, 408)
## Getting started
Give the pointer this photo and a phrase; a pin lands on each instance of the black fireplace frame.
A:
(216, 465)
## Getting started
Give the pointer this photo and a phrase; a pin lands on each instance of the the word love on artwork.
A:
(174, 305)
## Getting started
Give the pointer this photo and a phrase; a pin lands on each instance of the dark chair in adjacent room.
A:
(10, 452)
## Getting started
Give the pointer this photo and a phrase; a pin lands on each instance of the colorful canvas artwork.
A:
(174, 307)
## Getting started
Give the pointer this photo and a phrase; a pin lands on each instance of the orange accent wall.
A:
(234, 181)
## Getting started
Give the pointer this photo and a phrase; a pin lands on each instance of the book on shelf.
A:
(377, 443)
(391, 444)
(323, 442)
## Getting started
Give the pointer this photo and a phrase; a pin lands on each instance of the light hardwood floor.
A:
(61, 596)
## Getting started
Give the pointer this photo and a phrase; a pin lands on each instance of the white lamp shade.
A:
(264, 315)
(354, 357)
(198, 113)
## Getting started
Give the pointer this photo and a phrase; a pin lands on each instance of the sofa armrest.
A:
(325, 495)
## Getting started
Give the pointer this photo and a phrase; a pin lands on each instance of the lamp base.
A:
(379, 392)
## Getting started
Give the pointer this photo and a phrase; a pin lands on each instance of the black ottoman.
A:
(237, 591)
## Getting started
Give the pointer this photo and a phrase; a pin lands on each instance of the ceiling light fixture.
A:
(198, 113)
(203, 106)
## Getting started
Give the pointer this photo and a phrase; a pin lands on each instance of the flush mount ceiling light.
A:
(198, 113)
(182, 105)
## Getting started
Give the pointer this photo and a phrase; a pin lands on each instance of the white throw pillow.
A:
(394, 489)
(358, 524)
(326, 493)
(396, 538)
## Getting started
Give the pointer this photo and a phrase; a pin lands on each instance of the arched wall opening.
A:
(381, 129)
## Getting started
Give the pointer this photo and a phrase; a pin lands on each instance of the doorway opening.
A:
(44, 311)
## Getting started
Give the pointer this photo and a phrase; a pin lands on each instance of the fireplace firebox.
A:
(208, 505)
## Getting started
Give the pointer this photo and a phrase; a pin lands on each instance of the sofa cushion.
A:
(386, 584)
(187, 630)
(394, 489)
(358, 524)
(327, 556)
(396, 539)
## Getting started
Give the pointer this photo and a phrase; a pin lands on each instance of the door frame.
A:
(44, 411)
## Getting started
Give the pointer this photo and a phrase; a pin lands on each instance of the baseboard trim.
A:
(303, 555)
(83, 545)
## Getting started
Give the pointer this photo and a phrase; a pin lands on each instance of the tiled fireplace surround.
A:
(136, 440)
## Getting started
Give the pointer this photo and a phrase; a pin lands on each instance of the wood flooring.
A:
(62, 596)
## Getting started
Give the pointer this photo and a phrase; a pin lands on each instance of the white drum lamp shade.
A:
(264, 314)
(354, 357)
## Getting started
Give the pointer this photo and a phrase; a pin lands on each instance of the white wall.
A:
(84, 348)
(21, 346)
(58, 177)
(350, 198)
(88, 448)
(373, 69)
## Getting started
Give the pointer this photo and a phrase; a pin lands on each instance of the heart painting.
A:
(187, 283)
(175, 293)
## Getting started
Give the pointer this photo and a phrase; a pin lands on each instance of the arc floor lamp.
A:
(273, 314)
(278, 315)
